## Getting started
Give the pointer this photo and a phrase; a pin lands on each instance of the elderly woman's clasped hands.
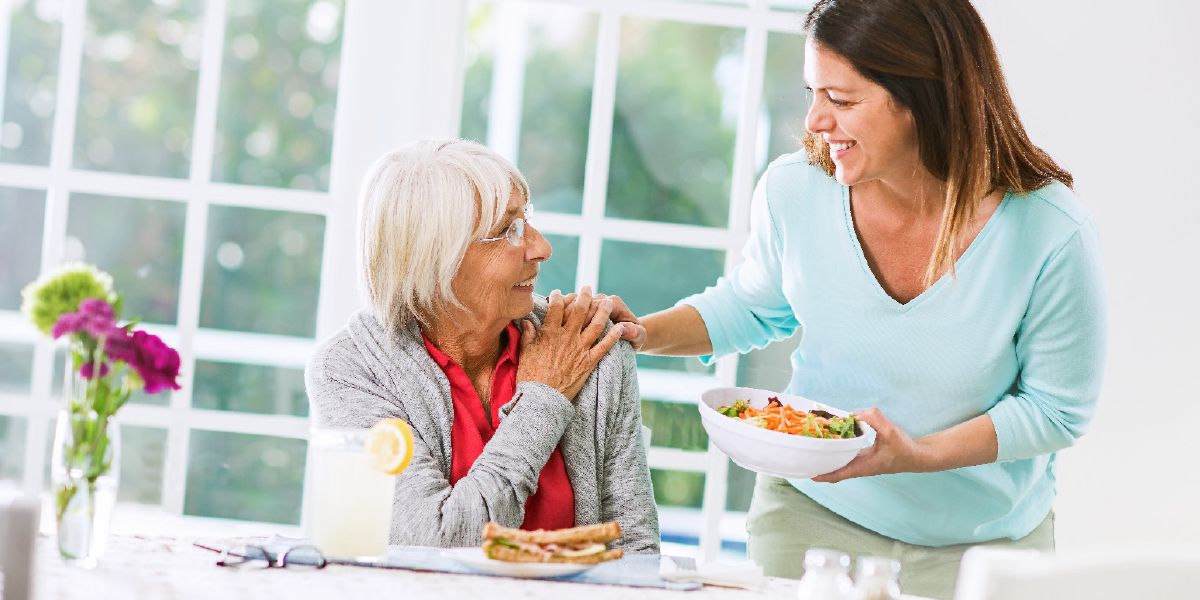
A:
(571, 342)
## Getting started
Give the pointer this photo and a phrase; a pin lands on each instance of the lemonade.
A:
(353, 477)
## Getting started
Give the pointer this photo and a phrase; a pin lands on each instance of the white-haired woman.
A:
(525, 411)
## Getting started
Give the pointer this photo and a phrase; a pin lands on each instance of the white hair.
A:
(421, 207)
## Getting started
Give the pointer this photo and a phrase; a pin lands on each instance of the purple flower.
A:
(155, 362)
(86, 370)
(95, 318)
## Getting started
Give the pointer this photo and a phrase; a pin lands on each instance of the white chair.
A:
(993, 574)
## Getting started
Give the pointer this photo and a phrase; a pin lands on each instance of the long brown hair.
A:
(936, 59)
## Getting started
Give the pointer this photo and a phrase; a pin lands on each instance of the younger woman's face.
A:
(870, 136)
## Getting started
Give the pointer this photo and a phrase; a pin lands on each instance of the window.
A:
(184, 146)
(642, 127)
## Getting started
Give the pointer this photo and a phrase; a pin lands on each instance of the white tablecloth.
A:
(170, 568)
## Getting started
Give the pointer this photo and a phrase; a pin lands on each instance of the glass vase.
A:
(85, 473)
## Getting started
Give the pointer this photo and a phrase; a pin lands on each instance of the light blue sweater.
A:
(1019, 335)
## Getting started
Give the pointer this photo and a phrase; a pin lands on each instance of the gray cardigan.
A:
(362, 375)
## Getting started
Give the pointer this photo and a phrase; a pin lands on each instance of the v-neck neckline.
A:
(959, 265)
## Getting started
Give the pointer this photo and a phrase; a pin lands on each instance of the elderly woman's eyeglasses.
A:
(515, 234)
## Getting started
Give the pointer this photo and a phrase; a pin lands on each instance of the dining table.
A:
(139, 563)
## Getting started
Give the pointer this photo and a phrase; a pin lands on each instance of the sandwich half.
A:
(579, 545)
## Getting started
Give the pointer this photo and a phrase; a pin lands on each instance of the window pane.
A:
(675, 425)
(32, 82)
(12, 448)
(241, 476)
(558, 273)
(138, 242)
(137, 397)
(678, 88)
(677, 488)
(529, 78)
(137, 96)
(651, 277)
(278, 90)
(798, 5)
(785, 102)
(249, 388)
(249, 247)
(20, 242)
(739, 487)
(480, 60)
(142, 452)
(16, 368)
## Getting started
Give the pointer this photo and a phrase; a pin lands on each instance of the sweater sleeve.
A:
(747, 309)
(1060, 346)
(627, 496)
(427, 510)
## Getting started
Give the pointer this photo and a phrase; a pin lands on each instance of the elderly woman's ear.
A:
(569, 345)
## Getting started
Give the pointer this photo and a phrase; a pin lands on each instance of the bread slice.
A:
(509, 554)
(599, 533)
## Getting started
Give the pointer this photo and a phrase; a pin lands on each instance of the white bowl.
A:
(773, 452)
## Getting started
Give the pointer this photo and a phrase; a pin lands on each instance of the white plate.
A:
(475, 559)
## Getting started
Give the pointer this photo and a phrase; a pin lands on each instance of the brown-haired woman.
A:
(946, 283)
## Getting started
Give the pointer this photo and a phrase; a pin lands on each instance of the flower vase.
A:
(85, 472)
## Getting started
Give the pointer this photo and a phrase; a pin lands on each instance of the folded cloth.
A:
(726, 573)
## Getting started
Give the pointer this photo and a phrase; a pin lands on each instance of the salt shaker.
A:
(826, 576)
(877, 578)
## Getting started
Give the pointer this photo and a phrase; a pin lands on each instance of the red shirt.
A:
(552, 506)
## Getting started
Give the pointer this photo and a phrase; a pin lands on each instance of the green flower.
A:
(60, 291)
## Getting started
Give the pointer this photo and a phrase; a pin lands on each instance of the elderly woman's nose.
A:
(537, 247)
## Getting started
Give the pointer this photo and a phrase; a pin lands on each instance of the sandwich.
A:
(583, 545)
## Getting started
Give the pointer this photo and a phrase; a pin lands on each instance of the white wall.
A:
(1112, 91)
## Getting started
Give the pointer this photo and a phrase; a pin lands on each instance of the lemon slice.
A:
(390, 443)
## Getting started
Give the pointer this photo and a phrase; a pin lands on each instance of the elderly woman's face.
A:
(496, 278)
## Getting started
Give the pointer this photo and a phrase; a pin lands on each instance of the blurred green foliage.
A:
(20, 241)
(137, 99)
(12, 448)
(142, 250)
(16, 367)
(255, 389)
(241, 476)
(143, 450)
(247, 247)
(32, 79)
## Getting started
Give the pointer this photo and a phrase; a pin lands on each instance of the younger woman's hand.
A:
(635, 332)
(893, 451)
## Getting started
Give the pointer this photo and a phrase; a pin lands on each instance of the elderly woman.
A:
(525, 411)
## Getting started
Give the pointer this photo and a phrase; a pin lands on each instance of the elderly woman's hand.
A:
(567, 348)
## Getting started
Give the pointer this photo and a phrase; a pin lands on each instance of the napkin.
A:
(723, 572)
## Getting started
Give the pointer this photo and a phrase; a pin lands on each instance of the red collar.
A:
(510, 352)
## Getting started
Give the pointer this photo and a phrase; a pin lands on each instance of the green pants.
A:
(783, 523)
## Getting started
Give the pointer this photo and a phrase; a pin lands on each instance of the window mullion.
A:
(741, 189)
(595, 181)
(6, 12)
(195, 232)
